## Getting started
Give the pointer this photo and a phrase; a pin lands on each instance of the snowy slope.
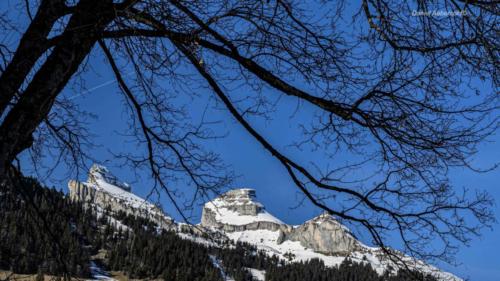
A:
(227, 216)
(238, 207)
(104, 191)
(258, 275)
(101, 179)
(98, 273)
(238, 216)
(217, 264)
(268, 241)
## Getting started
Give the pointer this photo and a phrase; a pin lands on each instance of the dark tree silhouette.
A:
(386, 82)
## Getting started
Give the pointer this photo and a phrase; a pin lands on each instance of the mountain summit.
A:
(238, 216)
(242, 218)
(238, 210)
(99, 174)
(104, 191)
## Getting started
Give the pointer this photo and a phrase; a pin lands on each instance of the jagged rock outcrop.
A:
(98, 172)
(237, 216)
(102, 189)
(238, 210)
(324, 234)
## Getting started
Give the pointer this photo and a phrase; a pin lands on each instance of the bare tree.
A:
(389, 82)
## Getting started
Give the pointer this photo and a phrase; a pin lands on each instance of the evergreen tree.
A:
(140, 249)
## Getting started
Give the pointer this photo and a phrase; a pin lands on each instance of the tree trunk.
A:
(31, 46)
(85, 25)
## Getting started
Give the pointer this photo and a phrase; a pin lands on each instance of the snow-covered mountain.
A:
(237, 210)
(105, 192)
(238, 216)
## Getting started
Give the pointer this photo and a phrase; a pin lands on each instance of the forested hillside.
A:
(62, 241)
(71, 236)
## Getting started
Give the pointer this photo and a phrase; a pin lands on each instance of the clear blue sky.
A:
(260, 171)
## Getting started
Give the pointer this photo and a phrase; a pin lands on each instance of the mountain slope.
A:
(104, 190)
(237, 216)
(322, 237)
(43, 232)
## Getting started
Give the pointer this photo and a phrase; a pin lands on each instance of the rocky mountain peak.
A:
(105, 191)
(243, 201)
(236, 210)
(323, 217)
(325, 234)
(237, 215)
(327, 219)
(99, 173)
(239, 211)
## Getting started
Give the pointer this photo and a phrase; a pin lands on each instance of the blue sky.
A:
(260, 171)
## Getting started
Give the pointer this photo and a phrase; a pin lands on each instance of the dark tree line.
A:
(59, 246)
(243, 256)
(72, 234)
(348, 270)
(149, 253)
(137, 248)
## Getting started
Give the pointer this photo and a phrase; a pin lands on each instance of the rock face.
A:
(241, 201)
(234, 211)
(238, 210)
(98, 173)
(102, 189)
(237, 216)
(324, 234)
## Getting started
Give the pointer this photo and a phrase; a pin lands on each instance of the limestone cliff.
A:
(102, 189)
(324, 234)
(238, 216)
(238, 210)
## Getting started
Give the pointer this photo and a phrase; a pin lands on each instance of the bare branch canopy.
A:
(387, 83)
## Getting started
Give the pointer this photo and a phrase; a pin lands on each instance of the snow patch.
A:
(98, 273)
(258, 275)
(226, 216)
(293, 251)
(217, 264)
(227, 205)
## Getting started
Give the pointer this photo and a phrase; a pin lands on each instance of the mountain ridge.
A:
(238, 216)
(104, 190)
